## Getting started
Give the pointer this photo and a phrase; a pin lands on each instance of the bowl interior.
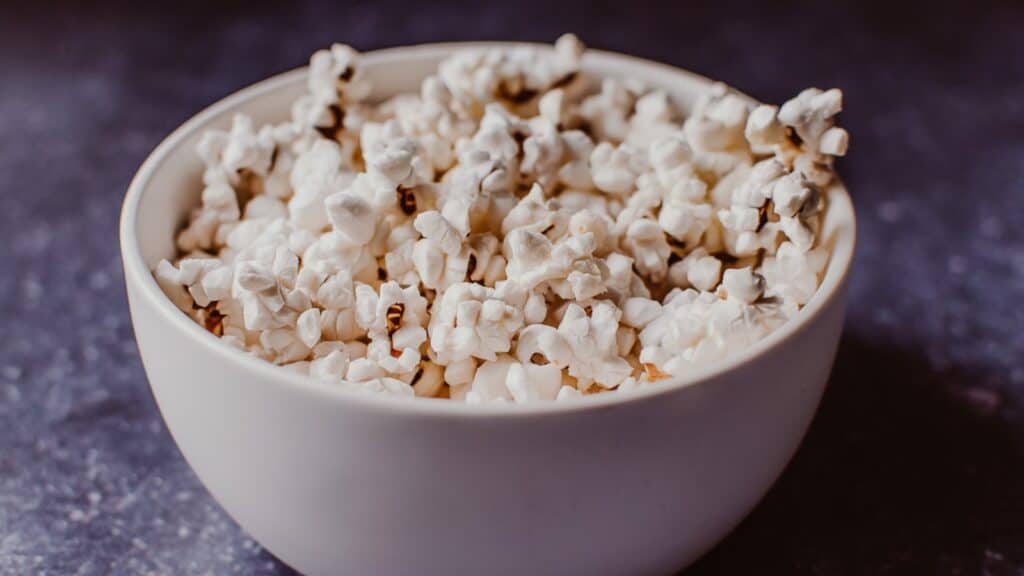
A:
(169, 183)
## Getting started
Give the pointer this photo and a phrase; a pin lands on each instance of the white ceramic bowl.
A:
(340, 483)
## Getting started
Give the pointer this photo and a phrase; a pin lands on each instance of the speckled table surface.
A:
(914, 463)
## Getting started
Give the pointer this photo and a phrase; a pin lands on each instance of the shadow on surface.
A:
(906, 466)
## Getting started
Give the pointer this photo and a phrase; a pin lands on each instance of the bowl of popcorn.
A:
(490, 308)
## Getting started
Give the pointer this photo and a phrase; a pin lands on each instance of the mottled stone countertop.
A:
(914, 463)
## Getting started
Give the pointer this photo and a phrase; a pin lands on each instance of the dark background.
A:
(914, 463)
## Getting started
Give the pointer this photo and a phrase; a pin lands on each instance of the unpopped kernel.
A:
(514, 232)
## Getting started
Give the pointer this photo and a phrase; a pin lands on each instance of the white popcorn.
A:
(391, 158)
(575, 172)
(170, 281)
(621, 280)
(334, 75)
(352, 218)
(646, 242)
(440, 257)
(763, 130)
(216, 283)
(503, 236)
(543, 151)
(513, 76)
(553, 107)
(219, 206)
(489, 382)
(568, 393)
(394, 321)
(718, 122)
(696, 327)
(540, 343)
(331, 366)
(533, 383)
(752, 225)
(568, 266)
(472, 320)
(336, 291)
(317, 174)
(698, 269)
(638, 312)
(682, 218)
(285, 345)
(431, 120)
(477, 193)
(308, 327)
(332, 253)
(704, 272)
(792, 274)
(743, 284)
(460, 373)
(534, 212)
(592, 340)
(654, 119)
(802, 133)
(614, 169)
(608, 112)
(791, 195)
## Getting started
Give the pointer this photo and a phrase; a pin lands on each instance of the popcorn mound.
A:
(512, 233)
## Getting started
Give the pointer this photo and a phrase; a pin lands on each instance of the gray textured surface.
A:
(914, 464)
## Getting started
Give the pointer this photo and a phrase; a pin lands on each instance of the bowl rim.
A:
(138, 273)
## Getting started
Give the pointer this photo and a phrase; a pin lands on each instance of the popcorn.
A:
(542, 344)
(718, 122)
(533, 383)
(428, 380)
(696, 327)
(460, 373)
(646, 242)
(802, 134)
(334, 76)
(477, 192)
(285, 344)
(440, 257)
(391, 158)
(614, 169)
(318, 173)
(535, 213)
(219, 206)
(698, 269)
(792, 274)
(654, 118)
(608, 112)
(472, 320)
(352, 218)
(514, 76)
(543, 151)
(592, 341)
(393, 319)
(638, 312)
(168, 277)
(568, 393)
(489, 383)
(743, 284)
(503, 235)
(330, 367)
(431, 121)
(308, 327)
(567, 266)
